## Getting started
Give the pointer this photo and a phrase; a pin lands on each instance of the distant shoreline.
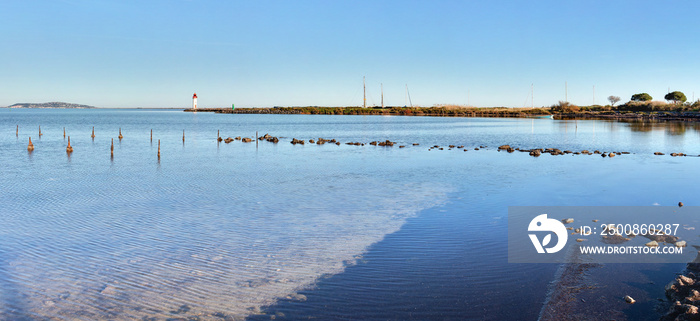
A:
(496, 112)
(130, 108)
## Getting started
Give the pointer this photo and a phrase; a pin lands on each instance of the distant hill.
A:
(53, 104)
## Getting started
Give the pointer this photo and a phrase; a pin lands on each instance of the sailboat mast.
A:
(364, 95)
(409, 96)
(382, 95)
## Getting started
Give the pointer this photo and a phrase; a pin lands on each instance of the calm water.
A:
(216, 231)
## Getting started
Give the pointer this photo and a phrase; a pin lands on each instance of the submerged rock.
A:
(629, 299)
(659, 236)
(246, 140)
(615, 239)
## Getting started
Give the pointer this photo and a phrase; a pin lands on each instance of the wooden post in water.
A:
(93, 132)
(64, 132)
(17, 132)
(151, 135)
(120, 133)
(40, 132)
(256, 139)
(69, 149)
(183, 135)
(217, 135)
(30, 147)
(111, 149)
(159, 149)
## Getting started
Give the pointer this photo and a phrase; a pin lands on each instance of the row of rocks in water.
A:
(555, 151)
(229, 139)
(387, 143)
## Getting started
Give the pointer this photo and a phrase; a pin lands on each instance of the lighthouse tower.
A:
(194, 101)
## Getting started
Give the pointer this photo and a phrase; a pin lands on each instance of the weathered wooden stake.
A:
(111, 149)
(120, 134)
(151, 135)
(256, 139)
(69, 149)
(64, 132)
(30, 147)
(93, 132)
(17, 133)
(40, 131)
(183, 135)
(159, 149)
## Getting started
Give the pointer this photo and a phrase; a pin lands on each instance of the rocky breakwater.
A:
(384, 143)
(684, 292)
(536, 152)
(684, 295)
(271, 139)
(322, 141)
(266, 137)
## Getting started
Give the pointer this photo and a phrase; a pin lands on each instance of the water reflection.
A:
(674, 128)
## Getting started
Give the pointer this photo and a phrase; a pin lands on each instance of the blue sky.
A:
(299, 53)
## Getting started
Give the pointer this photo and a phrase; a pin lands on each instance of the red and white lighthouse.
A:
(194, 101)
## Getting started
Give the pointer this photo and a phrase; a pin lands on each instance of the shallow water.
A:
(214, 230)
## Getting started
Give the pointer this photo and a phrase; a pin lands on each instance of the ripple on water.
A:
(180, 245)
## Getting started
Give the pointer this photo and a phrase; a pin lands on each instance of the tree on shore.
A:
(676, 97)
(613, 100)
(564, 107)
(641, 97)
